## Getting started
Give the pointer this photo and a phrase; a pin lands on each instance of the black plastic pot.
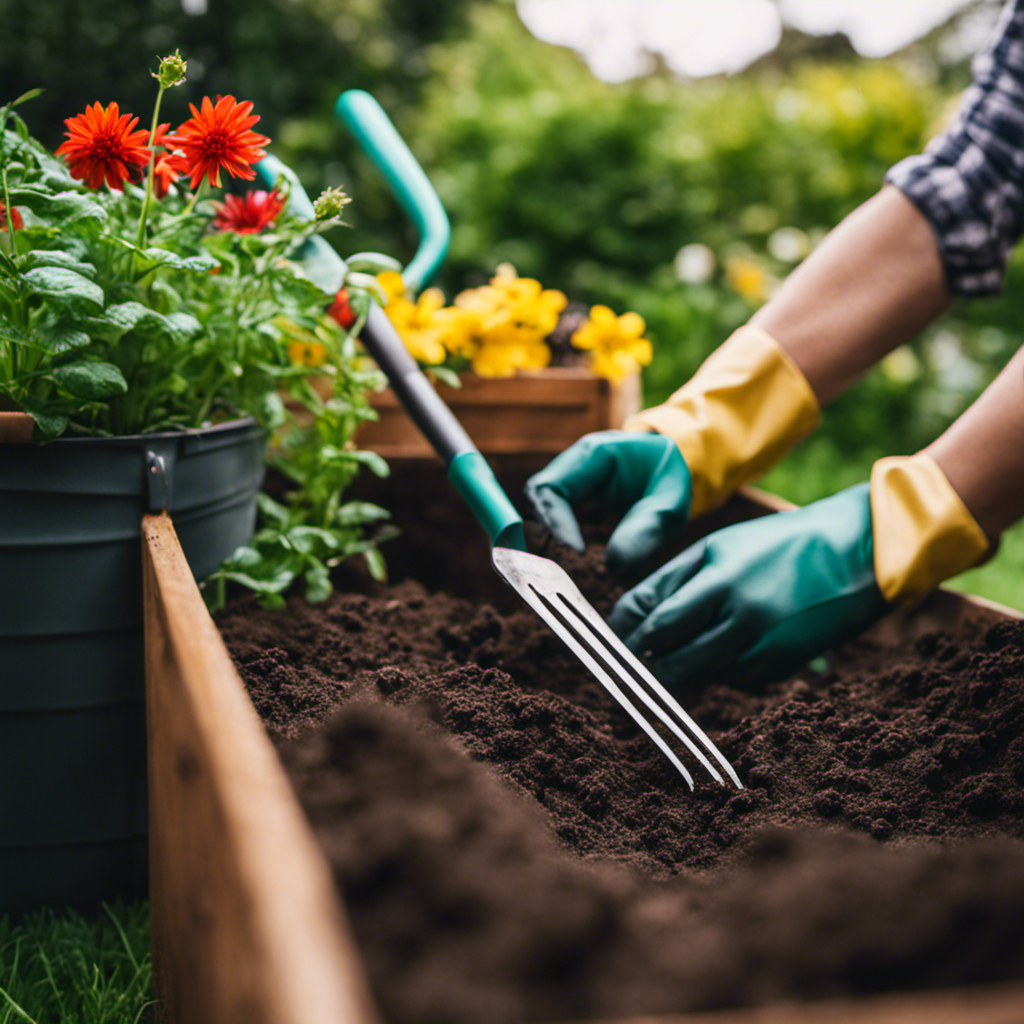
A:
(72, 711)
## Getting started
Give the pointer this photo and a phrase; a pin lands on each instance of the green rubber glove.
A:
(635, 472)
(754, 602)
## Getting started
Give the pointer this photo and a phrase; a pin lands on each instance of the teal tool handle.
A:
(379, 138)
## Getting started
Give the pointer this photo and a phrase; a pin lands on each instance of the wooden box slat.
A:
(246, 924)
(542, 412)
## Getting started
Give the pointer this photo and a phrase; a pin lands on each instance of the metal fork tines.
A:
(547, 588)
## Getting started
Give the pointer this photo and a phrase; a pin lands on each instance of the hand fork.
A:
(544, 585)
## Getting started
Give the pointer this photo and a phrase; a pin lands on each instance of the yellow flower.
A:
(502, 354)
(307, 353)
(393, 284)
(748, 277)
(417, 323)
(510, 317)
(616, 343)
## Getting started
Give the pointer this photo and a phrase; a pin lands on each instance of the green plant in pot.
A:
(149, 328)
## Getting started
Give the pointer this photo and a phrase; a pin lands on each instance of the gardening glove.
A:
(641, 474)
(746, 406)
(756, 601)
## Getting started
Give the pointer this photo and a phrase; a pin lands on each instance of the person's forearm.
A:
(871, 285)
(982, 453)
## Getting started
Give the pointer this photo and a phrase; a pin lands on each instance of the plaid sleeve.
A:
(969, 182)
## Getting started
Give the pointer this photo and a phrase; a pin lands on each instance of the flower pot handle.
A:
(374, 131)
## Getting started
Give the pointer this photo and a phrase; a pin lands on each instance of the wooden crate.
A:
(541, 412)
(246, 924)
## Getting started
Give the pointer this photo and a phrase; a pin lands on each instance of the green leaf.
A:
(271, 511)
(89, 380)
(446, 376)
(64, 285)
(25, 97)
(64, 208)
(355, 513)
(372, 461)
(318, 582)
(202, 263)
(12, 334)
(119, 319)
(367, 283)
(376, 564)
(51, 421)
(55, 258)
(373, 263)
(58, 338)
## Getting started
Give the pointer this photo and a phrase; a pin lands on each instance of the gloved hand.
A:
(754, 602)
(641, 474)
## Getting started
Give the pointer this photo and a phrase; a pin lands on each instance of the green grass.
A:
(70, 969)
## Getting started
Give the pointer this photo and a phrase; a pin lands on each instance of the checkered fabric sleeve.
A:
(969, 182)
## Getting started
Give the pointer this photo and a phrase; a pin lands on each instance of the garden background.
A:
(685, 200)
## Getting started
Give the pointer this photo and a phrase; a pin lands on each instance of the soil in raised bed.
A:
(511, 848)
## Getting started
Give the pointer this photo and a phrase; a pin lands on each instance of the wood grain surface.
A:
(246, 924)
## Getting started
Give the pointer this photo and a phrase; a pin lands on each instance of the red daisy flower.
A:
(102, 144)
(15, 218)
(249, 213)
(218, 137)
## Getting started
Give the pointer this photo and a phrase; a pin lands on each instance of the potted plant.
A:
(147, 333)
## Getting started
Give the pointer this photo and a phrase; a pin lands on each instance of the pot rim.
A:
(170, 435)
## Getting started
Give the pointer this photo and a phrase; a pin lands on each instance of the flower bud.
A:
(172, 70)
(330, 203)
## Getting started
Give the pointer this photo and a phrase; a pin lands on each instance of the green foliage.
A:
(71, 969)
(120, 317)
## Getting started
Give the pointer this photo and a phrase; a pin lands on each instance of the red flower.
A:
(101, 144)
(249, 213)
(341, 309)
(15, 218)
(167, 170)
(218, 137)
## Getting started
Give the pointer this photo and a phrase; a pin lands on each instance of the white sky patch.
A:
(707, 37)
(695, 37)
(875, 27)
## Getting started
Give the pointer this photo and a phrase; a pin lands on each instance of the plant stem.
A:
(141, 239)
(195, 195)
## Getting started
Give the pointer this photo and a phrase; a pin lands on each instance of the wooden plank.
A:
(540, 412)
(997, 1004)
(16, 427)
(247, 927)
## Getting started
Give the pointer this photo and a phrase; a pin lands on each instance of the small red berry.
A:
(341, 309)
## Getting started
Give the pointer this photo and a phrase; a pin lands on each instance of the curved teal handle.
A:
(379, 138)
(323, 265)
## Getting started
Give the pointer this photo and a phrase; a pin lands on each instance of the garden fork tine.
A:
(548, 589)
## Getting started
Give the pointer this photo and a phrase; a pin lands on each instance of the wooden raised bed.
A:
(246, 924)
(542, 412)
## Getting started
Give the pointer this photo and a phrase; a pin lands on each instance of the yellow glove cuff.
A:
(741, 412)
(923, 532)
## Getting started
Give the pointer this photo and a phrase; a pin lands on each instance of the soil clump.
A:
(512, 848)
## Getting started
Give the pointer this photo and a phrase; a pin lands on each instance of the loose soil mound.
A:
(511, 848)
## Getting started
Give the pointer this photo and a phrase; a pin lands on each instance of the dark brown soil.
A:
(512, 849)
